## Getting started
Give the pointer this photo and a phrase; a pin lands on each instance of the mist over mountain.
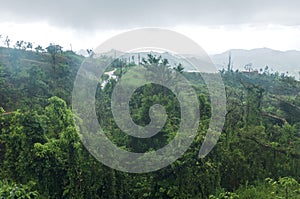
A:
(281, 61)
(287, 62)
(137, 57)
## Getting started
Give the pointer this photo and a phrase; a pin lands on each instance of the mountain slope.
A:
(281, 61)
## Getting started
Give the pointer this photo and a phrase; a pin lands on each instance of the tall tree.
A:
(54, 50)
(7, 41)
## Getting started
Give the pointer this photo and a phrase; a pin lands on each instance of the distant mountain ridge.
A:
(259, 58)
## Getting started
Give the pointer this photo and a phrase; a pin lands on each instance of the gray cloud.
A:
(99, 14)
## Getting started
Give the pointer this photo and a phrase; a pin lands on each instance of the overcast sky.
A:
(215, 25)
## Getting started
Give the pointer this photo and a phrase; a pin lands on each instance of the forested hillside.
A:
(42, 156)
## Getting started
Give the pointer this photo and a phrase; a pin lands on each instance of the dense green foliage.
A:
(41, 155)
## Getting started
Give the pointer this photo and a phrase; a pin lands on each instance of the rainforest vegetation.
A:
(42, 156)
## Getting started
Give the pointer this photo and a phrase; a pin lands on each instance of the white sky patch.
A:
(213, 39)
(43, 34)
(217, 39)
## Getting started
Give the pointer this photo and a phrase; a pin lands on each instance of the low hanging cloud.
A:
(99, 14)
